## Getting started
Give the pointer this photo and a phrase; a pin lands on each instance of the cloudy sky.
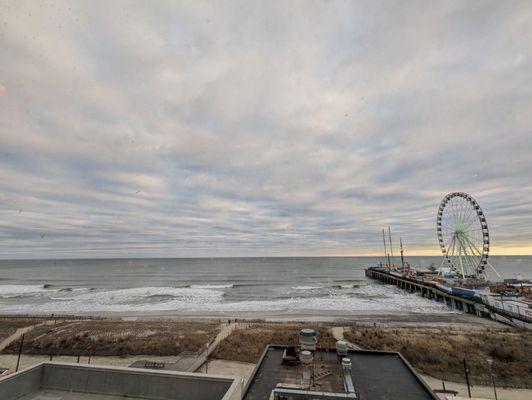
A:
(239, 128)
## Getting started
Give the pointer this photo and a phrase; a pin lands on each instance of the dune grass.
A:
(439, 352)
(247, 345)
(8, 326)
(117, 338)
(435, 351)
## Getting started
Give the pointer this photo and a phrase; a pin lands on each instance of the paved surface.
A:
(477, 391)
(228, 368)
(183, 362)
(337, 333)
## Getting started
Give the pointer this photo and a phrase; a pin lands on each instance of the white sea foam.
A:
(7, 291)
(212, 286)
(148, 299)
(12, 291)
(306, 287)
(138, 299)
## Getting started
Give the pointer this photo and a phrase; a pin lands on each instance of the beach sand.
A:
(363, 317)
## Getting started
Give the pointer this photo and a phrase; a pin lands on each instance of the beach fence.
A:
(69, 317)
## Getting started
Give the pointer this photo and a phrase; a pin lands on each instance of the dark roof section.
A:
(376, 375)
(379, 375)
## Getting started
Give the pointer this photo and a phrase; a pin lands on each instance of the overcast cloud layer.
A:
(259, 128)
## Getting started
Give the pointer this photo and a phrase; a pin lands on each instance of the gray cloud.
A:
(259, 128)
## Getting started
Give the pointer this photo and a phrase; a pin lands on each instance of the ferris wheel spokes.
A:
(463, 234)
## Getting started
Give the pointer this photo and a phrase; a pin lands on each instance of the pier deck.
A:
(470, 306)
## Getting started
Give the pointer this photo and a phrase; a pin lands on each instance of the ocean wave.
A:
(212, 286)
(124, 295)
(7, 291)
(306, 287)
(22, 291)
(152, 299)
(346, 286)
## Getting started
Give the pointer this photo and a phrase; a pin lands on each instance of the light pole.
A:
(20, 351)
(466, 372)
(490, 362)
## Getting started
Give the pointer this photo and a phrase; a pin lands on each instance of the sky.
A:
(260, 128)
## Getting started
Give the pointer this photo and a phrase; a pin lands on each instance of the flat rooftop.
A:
(375, 375)
(62, 381)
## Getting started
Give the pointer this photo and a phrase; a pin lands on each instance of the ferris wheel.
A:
(463, 235)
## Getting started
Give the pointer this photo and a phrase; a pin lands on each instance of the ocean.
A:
(214, 286)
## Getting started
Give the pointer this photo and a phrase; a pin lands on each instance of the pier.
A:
(470, 306)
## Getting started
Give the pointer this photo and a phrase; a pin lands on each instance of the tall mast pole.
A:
(385, 252)
(390, 235)
(402, 257)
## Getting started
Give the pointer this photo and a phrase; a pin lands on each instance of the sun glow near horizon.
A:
(494, 251)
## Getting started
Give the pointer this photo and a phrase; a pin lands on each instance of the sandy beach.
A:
(361, 317)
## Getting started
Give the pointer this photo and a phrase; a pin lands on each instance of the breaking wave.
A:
(8, 291)
(212, 286)
(18, 289)
(208, 298)
(306, 287)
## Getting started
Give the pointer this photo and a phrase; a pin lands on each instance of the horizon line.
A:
(250, 257)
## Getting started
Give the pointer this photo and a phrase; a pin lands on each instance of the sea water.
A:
(222, 286)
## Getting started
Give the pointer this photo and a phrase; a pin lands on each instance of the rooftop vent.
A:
(346, 364)
(306, 360)
(348, 381)
(341, 348)
(307, 339)
(306, 357)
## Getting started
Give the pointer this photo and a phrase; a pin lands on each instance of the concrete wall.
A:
(142, 383)
(235, 391)
(21, 383)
